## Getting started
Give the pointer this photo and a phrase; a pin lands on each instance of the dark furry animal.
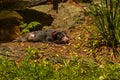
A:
(59, 37)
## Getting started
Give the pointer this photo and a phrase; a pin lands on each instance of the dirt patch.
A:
(78, 46)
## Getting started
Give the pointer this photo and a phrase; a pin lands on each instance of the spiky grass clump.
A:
(107, 18)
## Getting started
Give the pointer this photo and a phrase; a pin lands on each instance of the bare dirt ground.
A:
(79, 45)
(78, 38)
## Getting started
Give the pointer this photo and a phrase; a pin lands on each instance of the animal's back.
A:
(36, 36)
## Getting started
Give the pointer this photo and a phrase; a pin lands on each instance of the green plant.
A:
(73, 68)
(26, 27)
(107, 17)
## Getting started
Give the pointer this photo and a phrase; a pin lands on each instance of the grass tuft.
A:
(107, 17)
(71, 69)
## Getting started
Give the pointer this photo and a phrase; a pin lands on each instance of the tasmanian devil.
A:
(56, 36)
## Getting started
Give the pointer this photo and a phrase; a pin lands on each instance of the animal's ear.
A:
(54, 34)
(64, 32)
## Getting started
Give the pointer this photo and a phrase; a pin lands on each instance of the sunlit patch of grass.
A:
(73, 68)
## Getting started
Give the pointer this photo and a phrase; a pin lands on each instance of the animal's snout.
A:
(65, 39)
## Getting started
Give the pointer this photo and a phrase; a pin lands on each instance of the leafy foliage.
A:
(26, 27)
(107, 17)
(71, 69)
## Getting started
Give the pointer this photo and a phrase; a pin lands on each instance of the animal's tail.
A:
(20, 39)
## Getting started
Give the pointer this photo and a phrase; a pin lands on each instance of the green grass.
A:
(68, 69)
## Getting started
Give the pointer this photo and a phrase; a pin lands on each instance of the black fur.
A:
(56, 36)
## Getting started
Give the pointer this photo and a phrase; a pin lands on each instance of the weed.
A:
(107, 17)
(71, 69)
(26, 27)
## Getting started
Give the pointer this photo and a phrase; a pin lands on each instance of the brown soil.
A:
(78, 46)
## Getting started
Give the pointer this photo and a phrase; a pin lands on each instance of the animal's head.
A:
(60, 37)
